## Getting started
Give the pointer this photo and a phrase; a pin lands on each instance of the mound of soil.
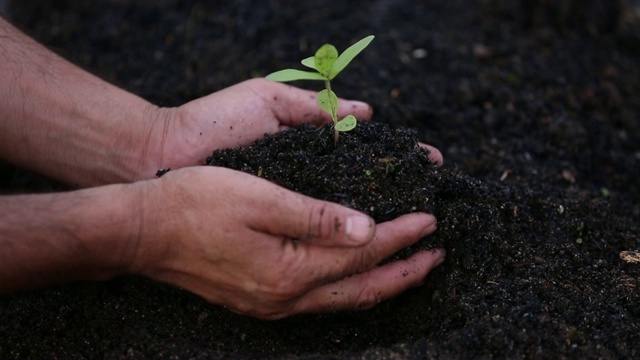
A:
(534, 105)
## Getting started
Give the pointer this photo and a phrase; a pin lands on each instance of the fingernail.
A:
(358, 228)
(430, 225)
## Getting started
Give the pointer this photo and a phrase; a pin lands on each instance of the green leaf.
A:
(346, 124)
(349, 54)
(328, 101)
(324, 58)
(293, 74)
(309, 62)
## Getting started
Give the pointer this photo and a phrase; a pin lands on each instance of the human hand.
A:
(232, 117)
(262, 250)
(236, 116)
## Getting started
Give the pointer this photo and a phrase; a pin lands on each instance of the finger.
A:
(359, 109)
(434, 154)
(365, 290)
(326, 264)
(295, 216)
(294, 106)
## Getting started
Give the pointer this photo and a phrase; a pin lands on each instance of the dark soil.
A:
(535, 106)
(372, 168)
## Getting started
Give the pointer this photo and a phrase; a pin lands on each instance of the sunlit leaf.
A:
(346, 124)
(328, 101)
(293, 74)
(309, 62)
(349, 54)
(324, 58)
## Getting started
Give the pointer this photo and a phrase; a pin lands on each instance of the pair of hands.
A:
(228, 236)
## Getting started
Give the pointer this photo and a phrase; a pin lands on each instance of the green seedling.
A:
(327, 65)
(389, 168)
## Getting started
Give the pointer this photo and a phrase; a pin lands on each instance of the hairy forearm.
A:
(63, 122)
(81, 235)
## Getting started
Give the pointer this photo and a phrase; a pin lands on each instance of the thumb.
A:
(295, 106)
(303, 218)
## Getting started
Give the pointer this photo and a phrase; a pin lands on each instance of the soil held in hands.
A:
(534, 105)
(517, 259)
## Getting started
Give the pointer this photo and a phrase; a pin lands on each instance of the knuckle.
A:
(362, 261)
(323, 221)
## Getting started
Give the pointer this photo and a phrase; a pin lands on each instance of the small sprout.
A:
(327, 63)
(388, 161)
(389, 169)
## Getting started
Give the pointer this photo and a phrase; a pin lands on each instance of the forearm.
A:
(63, 122)
(81, 235)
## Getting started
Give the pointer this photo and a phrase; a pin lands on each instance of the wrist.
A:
(143, 245)
(148, 143)
(90, 234)
(106, 221)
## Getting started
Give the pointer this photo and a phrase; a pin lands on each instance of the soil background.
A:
(534, 104)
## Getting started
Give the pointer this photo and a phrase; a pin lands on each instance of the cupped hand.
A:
(259, 249)
(235, 116)
(232, 117)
